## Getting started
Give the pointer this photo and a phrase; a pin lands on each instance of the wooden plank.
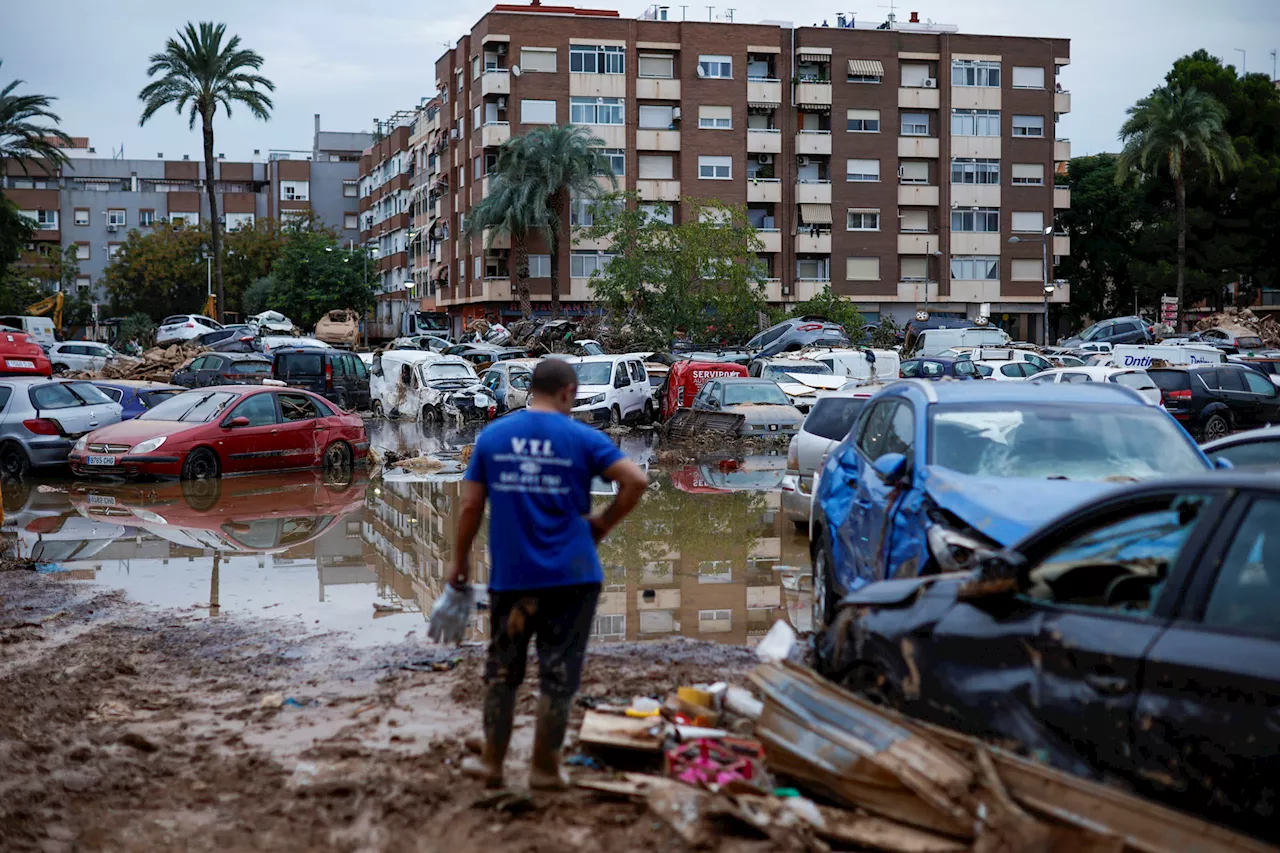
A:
(609, 730)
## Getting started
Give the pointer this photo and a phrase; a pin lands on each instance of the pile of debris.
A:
(156, 364)
(1244, 321)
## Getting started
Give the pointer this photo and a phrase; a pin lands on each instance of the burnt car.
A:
(1135, 637)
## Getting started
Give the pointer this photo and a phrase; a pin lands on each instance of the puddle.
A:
(708, 554)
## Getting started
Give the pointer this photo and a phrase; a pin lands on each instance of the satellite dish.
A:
(701, 72)
(515, 71)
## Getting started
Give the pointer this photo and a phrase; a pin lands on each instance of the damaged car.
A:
(801, 379)
(1133, 638)
(428, 387)
(933, 473)
(765, 409)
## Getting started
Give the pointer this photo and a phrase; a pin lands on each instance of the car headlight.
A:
(599, 398)
(82, 444)
(149, 445)
(956, 550)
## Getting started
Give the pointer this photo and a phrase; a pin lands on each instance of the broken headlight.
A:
(956, 547)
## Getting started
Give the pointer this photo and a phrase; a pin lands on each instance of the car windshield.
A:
(292, 364)
(449, 371)
(780, 371)
(1060, 441)
(591, 348)
(193, 407)
(594, 372)
(1253, 454)
(91, 394)
(254, 367)
(1091, 332)
(832, 416)
(761, 393)
(1249, 343)
(1138, 380)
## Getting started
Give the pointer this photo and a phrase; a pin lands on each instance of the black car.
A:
(335, 374)
(1135, 636)
(241, 341)
(938, 367)
(1117, 330)
(798, 333)
(1211, 400)
(223, 368)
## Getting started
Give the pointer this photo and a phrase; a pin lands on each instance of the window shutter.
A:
(1028, 269)
(1028, 77)
(706, 112)
(654, 167)
(862, 269)
(1028, 171)
(915, 220)
(655, 117)
(656, 66)
(914, 268)
(1029, 222)
(864, 115)
(537, 59)
(915, 170)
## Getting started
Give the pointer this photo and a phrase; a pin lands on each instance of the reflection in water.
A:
(707, 554)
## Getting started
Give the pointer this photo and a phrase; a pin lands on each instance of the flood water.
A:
(708, 554)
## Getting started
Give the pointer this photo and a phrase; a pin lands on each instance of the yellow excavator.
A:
(210, 306)
(50, 305)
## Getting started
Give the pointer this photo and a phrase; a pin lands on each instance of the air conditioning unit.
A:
(764, 159)
(802, 161)
(675, 114)
(502, 49)
(453, 134)
(111, 229)
(931, 82)
(502, 103)
(786, 290)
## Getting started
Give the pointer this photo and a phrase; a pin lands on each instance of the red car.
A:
(20, 355)
(229, 429)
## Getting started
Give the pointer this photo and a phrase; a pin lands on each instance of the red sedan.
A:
(20, 355)
(230, 429)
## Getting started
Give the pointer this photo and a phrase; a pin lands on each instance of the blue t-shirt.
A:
(538, 467)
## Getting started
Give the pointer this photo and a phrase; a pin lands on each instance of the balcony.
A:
(764, 189)
(975, 195)
(918, 290)
(657, 89)
(500, 241)
(494, 133)
(764, 91)
(975, 243)
(764, 141)
(658, 190)
(813, 142)
(1061, 244)
(819, 192)
(980, 147)
(657, 140)
(1062, 102)
(819, 244)
(804, 289)
(917, 195)
(773, 290)
(813, 94)
(496, 289)
(975, 291)
(496, 82)
(1061, 150)
(770, 239)
(1061, 198)
(917, 146)
(917, 244)
(597, 85)
(915, 98)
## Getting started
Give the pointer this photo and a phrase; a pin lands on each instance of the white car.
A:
(80, 355)
(1006, 371)
(269, 322)
(270, 342)
(428, 386)
(990, 354)
(184, 327)
(611, 389)
(1138, 380)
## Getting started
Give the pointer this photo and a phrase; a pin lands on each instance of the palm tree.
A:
(565, 162)
(21, 138)
(200, 73)
(516, 207)
(1177, 127)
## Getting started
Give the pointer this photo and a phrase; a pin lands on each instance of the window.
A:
(657, 118)
(657, 213)
(715, 621)
(975, 122)
(537, 59)
(913, 172)
(82, 251)
(915, 124)
(82, 282)
(1247, 589)
(657, 65)
(239, 220)
(1028, 125)
(477, 116)
(1028, 174)
(862, 269)
(1025, 77)
(914, 269)
(656, 167)
(975, 268)
(1028, 222)
(43, 219)
(146, 217)
(81, 216)
(260, 409)
(715, 168)
(616, 158)
(715, 118)
(586, 264)
(1027, 269)
(539, 266)
(295, 190)
(113, 250)
(595, 111)
(914, 75)
(966, 170)
(537, 112)
(888, 428)
(865, 71)
(813, 269)
(350, 221)
(477, 267)
(583, 212)
(858, 219)
(914, 220)
(715, 67)
(863, 121)
(296, 407)
(475, 67)
(349, 190)
(862, 170)
(973, 72)
(1256, 383)
(982, 219)
(597, 59)
(477, 167)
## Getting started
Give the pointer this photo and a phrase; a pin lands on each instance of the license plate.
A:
(773, 427)
(102, 460)
(102, 500)
(29, 365)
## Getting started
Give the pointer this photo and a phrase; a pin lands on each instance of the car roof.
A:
(601, 359)
(242, 356)
(35, 380)
(288, 349)
(1266, 433)
(945, 359)
(1091, 370)
(1019, 392)
(743, 380)
(140, 384)
(870, 389)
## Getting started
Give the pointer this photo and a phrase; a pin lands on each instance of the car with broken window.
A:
(932, 473)
(686, 378)
(801, 379)
(765, 409)
(1134, 637)
(510, 382)
(429, 387)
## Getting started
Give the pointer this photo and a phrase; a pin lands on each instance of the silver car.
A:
(767, 410)
(40, 419)
(826, 425)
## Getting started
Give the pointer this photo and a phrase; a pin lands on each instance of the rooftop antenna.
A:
(891, 6)
(1244, 61)
(710, 9)
(1273, 63)
(684, 13)
(729, 14)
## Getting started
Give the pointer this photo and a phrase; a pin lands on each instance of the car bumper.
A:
(795, 503)
(152, 465)
(767, 430)
(592, 414)
(48, 452)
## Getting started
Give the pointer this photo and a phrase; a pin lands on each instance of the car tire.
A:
(1215, 427)
(432, 415)
(615, 416)
(341, 402)
(60, 368)
(822, 605)
(338, 456)
(648, 412)
(201, 464)
(14, 462)
(376, 408)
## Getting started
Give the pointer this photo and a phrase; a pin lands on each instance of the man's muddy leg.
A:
(511, 626)
(563, 631)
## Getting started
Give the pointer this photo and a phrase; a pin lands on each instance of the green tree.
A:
(834, 307)
(200, 73)
(15, 232)
(158, 273)
(315, 275)
(514, 207)
(137, 327)
(1176, 129)
(259, 296)
(702, 275)
(23, 138)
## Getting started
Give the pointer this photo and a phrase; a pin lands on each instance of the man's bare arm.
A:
(473, 497)
(632, 482)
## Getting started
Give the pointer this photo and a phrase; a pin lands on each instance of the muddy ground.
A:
(125, 728)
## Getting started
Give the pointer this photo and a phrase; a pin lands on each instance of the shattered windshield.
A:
(760, 393)
(449, 371)
(782, 371)
(1048, 441)
(594, 372)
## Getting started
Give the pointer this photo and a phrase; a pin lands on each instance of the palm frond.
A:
(24, 136)
(201, 69)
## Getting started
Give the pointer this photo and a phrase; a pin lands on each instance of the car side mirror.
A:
(1222, 463)
(999, 575)
(891, 467)
(240, 421)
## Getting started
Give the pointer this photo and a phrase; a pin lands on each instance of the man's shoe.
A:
(478, 768)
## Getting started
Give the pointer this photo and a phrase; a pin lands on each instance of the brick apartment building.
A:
(894, 161)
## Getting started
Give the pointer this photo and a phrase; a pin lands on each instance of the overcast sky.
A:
(352, 61)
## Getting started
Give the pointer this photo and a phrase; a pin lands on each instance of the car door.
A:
(621, 385)
(639, 385)
(358, 382)
(300, 431)
(1210, 699)
(707, 397)
(77, 407)
(889, 428)
(1245, 407)
(211, 370)
(1265, 396)
(256, 446)
(518, 384)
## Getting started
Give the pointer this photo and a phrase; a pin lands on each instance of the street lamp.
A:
(1043, 240)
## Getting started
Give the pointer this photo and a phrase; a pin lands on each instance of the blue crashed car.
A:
(932, 473)
(136, 396)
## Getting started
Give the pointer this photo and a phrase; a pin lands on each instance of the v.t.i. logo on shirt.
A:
(532, 447)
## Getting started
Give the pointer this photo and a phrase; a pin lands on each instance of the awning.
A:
(816, 214)
(866, 68)
(813, 57)
(759, 105)
(817, 108)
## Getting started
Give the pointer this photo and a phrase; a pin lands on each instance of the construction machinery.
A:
(51, 305)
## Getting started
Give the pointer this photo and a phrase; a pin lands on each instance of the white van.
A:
(611, 389)
(854, 364)
(1141, 355)
(932, 342)
(40, 328)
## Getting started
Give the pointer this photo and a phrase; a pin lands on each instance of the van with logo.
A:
(1142, 355)
(40, 328)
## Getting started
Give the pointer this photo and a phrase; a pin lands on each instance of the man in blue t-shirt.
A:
(535, 469)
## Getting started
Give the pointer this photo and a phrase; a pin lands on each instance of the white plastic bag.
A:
(450, 615)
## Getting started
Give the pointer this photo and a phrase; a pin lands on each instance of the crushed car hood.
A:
(1007, 508)
(820, 381)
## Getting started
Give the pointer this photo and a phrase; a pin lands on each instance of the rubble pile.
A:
(156, 364)
(1235, 319)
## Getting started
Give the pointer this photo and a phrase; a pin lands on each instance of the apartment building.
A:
(385, 194)
(892, 160)
(323, 181)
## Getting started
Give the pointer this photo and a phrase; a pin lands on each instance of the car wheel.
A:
(201, 464)
(648, 412)
(823, 607)
(376, 408)
(615, 416)
(201, 495)
(60, 368)
(13, 460)
(337, 456)
(1216, 427)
